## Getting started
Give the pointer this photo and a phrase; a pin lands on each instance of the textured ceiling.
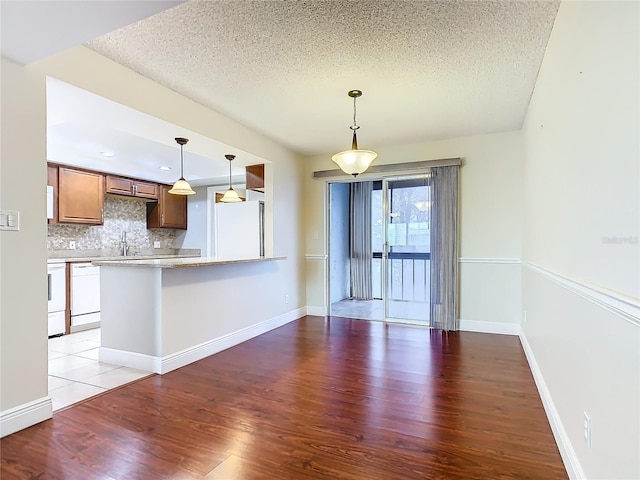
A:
(428, 69)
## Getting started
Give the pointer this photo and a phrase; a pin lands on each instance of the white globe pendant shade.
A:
(181, 187)
(354, 162)
(230, 196)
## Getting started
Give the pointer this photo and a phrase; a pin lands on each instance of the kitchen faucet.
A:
(124, 248)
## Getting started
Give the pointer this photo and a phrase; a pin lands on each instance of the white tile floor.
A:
(75, 372)
(374, 310)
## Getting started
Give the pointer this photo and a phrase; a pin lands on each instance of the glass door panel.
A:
(406, 251)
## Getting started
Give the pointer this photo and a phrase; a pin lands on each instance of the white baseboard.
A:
(489, 327)
(568, 454)
(198, 352)
(184, 357)
(317, 311)
(25, 415)
(139, 361)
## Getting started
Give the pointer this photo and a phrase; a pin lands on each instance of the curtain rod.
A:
(394, 167)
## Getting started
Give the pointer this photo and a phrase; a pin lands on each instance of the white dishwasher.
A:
(85, 296)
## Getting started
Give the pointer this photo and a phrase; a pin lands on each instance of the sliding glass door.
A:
(399, 254)
(405, 250)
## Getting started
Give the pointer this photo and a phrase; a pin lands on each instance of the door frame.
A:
(385, 179)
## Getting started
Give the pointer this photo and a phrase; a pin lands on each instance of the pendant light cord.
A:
(181, 162)
(355, 126)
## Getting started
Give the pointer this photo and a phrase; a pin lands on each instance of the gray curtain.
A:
(444, 248)
(360, 240)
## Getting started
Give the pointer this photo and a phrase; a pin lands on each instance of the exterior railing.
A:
(409, 276)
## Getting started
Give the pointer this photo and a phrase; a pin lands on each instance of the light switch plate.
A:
(9, 220)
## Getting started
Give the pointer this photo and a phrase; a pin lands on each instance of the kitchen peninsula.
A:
(162, 314)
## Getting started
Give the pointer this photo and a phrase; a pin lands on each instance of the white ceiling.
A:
(35, 29)
(82, 125)
(428, 69)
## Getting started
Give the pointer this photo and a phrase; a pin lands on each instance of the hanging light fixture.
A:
(230, 196)
(354, 161)
(181, 187)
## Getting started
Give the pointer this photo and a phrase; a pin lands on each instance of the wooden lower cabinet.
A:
(80, 196)
(170, 211)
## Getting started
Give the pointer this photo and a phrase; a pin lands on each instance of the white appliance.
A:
(85, 296)
(239, 230)
(57, 293)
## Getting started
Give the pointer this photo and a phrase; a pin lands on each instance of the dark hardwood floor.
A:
(315, 399)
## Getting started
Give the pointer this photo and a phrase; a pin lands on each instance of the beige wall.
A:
(23, 254)
(582, 184)
(490, 215)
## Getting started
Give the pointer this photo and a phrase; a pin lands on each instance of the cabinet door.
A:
(169, 212)
(119, 185)
(80, 196)
(145, 189)
(174, 209)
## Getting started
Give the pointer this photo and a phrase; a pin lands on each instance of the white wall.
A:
(490, 222)
(582, 184)
(23, 254)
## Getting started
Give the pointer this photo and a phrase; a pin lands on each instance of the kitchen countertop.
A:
(118, 259)
(180, 262)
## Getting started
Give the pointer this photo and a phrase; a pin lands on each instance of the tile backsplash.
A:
(120, 215)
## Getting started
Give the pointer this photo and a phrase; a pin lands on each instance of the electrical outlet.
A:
(524, 316)
(156, 244)
(587, 429)
(286, 299)
(72, 245)
(316, 235)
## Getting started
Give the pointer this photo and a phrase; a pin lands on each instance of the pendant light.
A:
(181, 187)
(354, 161)
(230, 196)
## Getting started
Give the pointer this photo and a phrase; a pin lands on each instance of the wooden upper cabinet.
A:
(52, 180)
(145, 189)
(255, 177)
(80, 196)
(170, 211)
(131, 187)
